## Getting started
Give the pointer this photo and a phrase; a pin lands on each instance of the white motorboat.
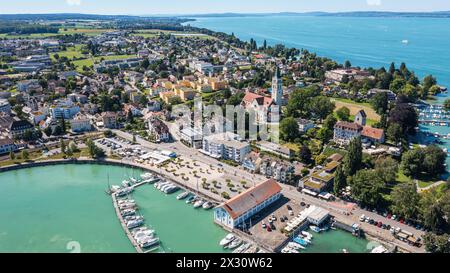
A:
(190, 199)
(295, 245)
(126, 183)
(128, 212)
(124, 191)
(146, 176)
(208, 205)
(135, 223)
(115, 188)
(307, 234)
(228, 239)
(149, 242)
(133, 217)
(242, 248)
(314, 228)
(235, 243)
(182, 195)
(140, 236)
(127, 206)
(144, 229)
(198, 203)
(171, 189)
(125, 201)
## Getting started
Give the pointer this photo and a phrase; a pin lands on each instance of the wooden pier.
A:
(124, 226)
(122, 221)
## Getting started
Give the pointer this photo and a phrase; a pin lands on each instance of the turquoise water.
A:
(334, 241)
(47, 209)
(366, 42)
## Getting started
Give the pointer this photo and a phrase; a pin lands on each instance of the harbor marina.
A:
(78, 210)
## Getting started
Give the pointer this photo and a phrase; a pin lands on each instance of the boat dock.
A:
(124, 226)
(136, 246)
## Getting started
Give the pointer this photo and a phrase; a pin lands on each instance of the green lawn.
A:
(70, 53)
(85, 31)
(90, 62)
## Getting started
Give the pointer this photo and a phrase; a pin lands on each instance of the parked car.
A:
(362, 218)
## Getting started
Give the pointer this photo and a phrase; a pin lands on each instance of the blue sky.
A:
(146, 7)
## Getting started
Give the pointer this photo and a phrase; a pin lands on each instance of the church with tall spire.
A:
(277, 88)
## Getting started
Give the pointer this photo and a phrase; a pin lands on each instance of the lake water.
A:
(366, 42)
(47, 209)
(55, 208)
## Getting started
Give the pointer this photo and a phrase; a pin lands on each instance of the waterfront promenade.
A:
(347, 213)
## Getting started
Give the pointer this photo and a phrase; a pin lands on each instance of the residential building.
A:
(7, 145)
(192, 137)
(18, 128)
(234, 212)
(274, 148)
(5, 107)
(304, 125)
(226, 146)
(80, 123)
(158, 130)
(63, 109)
(109, 120)
(318, 181)
(345, 131)
(166, 96)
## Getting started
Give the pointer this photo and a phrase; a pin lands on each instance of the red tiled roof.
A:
(249, 97)
(373, 133)
(348, 125)
(250, 198)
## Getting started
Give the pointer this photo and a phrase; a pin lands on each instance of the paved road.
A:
(348, 210)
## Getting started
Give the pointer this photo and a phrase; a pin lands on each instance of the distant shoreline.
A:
(104, 17)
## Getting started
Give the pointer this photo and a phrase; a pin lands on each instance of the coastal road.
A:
(349, 211)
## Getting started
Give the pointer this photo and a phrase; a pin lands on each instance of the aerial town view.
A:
(288, 127)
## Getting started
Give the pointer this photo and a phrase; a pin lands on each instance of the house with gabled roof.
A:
(234, 212)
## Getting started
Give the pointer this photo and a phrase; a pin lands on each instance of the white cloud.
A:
(374, 2)
(73, 2)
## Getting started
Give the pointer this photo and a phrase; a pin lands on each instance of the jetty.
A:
(124, 226)
(135, 244)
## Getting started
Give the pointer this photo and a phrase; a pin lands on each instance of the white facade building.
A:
(225, 146)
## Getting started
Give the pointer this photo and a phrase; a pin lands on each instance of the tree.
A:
(343, 113)
(347, 64)
(447, 104)
(429, 161)
(412, 161)
(326, 132)
(289, 129)
(432, 209)
(340, 180)
(387, 169)
(436, 243)
(394, 133)
(434, 163)
(62, 145)
(406, 116)
(91, 147)
(25, 155)
(321, 107)
(428, 82)
(366, 187)
(353, 158)
(405, 200)
(305, 154)
(380, 102)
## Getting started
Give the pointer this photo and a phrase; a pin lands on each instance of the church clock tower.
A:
(277, 88)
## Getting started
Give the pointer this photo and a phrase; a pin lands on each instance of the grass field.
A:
(85, 31)
(354, 107)
(70, 53)
(90, 62)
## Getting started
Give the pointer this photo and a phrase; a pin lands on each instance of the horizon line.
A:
(223, 13)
